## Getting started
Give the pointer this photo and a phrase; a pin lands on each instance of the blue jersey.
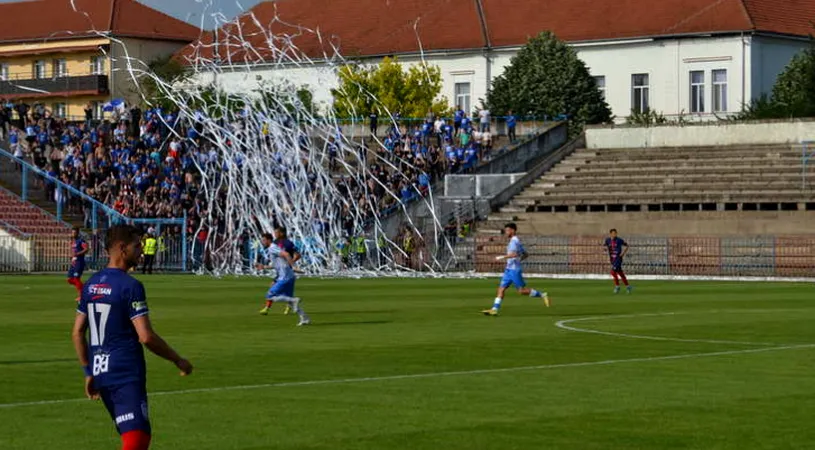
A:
(284, 270)
(511, 121)
(78, 246)
(112, 299)
(615, 247)
(516, 247)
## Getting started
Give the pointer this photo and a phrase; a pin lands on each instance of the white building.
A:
(699, 58)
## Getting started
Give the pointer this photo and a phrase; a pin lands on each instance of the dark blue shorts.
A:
(76, 270)
(127, 405)
(617, 264)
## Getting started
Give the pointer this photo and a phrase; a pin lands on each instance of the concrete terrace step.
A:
(735, 167)
(742, 160)
(725, 186)
(638, 177)
(654, 198)
(667, 191)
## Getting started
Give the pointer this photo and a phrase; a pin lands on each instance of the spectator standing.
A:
(511, 123)
(484, 115)
(88, 115)
(457, 118)
(374, 118)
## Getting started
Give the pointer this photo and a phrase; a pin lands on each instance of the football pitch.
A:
(411, 364)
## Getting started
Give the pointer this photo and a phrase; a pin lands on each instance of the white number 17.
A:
(98, 328)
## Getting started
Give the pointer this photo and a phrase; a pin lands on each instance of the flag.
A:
(117, 104)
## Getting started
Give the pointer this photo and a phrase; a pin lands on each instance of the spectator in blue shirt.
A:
(511, 123)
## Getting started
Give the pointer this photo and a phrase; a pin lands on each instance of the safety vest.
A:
(150, 245)
(343, 247)
(408, 243)
(161, 247)
(360, 244)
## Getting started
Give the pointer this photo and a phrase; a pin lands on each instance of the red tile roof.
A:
(382, 27)
(38, 20)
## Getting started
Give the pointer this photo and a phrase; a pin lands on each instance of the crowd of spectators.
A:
(145, 164)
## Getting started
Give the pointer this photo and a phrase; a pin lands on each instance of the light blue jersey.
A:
(513, 273)
(516, 247)
(285, 272)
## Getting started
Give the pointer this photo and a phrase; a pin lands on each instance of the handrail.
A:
(47, 213)
(107, 209)
(14, 229)
(62, 185)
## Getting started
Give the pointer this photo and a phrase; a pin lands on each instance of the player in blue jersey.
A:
(113, 310)
(79, 248)
(513, 274)
(280, 258)
(617, 248)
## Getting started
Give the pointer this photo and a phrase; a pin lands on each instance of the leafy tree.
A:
(793, 94)
(388, 87)
(165, 70)
(546, 78)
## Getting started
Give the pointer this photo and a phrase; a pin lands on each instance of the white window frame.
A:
(97, 65)
(59, 67)
(600, 81)
(98, 110)
(4, 72)
(463, 100)
(644, 91)
(39, 69)
(697, 91)
(59, 110)
(719, 91)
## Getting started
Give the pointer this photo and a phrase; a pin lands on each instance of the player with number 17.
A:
(113, 311)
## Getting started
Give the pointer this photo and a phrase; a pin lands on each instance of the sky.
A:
(193, 10)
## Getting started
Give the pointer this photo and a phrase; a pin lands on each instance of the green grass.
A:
(749, 395)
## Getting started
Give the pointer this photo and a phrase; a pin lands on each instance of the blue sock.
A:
(497, 304)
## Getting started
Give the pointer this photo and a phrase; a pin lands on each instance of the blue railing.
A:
(97, 208)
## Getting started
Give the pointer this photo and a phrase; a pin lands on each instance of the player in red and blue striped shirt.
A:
(617, 248)
(79, 248)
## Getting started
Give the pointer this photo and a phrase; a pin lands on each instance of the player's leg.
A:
(506, 281)
(295, 302)
(271, 296)
(622, 276)
(523, 289)
(127, 405)
(616, 277)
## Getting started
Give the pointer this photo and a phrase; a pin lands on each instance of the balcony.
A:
(61, 86)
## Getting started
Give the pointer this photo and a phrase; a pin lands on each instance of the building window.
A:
(697, 91)
(59, 110)
(98, 110)
(38, 71)
(639, 93)
(97, 65)
(463, 97)
(720, 90)
(600, 81)
(60, 68)
(4, 75)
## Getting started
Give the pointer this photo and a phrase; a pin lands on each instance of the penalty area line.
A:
(417, 376)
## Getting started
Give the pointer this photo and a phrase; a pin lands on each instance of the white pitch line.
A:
(434, 374)
(563, 325)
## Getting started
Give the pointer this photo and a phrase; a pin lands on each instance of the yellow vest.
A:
(150, 245)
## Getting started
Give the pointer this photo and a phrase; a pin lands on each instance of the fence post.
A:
(184, 244)
(24, 186)
(94, 220)
(59, 202)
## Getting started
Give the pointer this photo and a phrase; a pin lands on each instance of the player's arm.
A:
(156, 344)
(84, 251)
(81, 348)
(625, 249)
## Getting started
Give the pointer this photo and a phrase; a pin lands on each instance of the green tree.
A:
(162, 74)
(793, 94)
(546, 78)
(388, 87)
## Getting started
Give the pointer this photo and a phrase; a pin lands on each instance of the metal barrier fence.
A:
(750, 256)
(53, 254)
(756, 256)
